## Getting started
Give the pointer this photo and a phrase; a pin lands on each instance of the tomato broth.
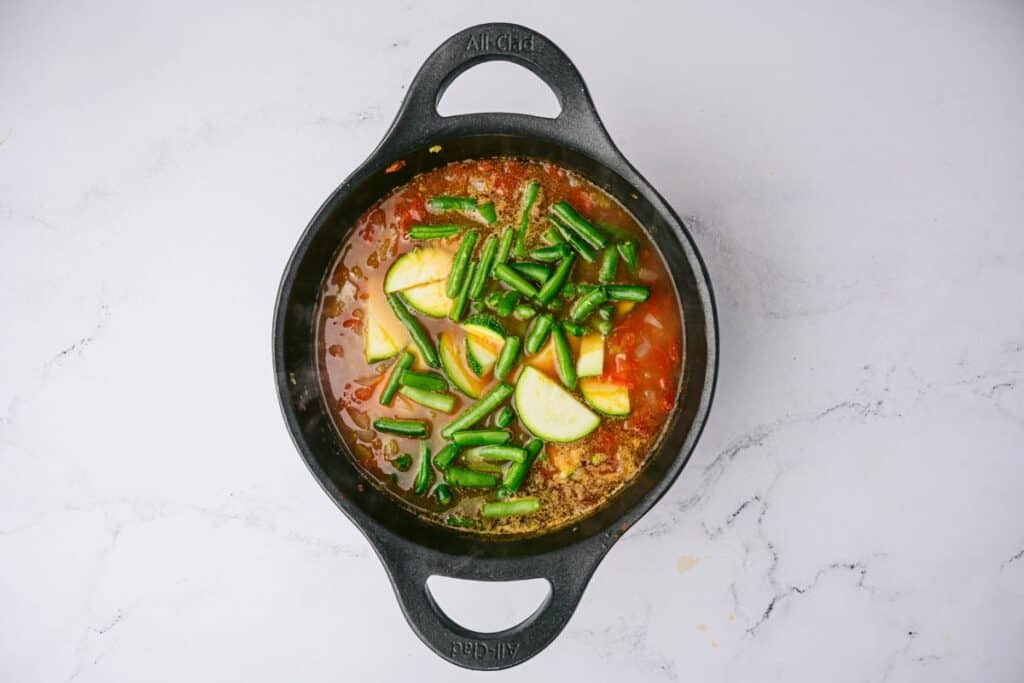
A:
(619, 369)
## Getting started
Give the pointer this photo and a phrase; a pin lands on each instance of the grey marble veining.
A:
(853, 177)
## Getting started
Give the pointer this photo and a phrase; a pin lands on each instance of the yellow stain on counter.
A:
(702, 627)
(685, 563)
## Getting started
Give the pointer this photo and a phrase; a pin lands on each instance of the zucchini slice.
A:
(549, 411)
(429, 299)
(418, 267)
(591, 359)
(377, 343)
(606, 397)
(455, 369)
(484, 339)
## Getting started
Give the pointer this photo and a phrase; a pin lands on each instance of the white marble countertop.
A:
(854, 177)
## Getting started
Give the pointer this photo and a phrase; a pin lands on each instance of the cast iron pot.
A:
(410, 548)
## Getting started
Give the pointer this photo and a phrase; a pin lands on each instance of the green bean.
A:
(498, 452)
(535, 271)
(492, 300)
(508, 357)
(587, 304)
(555, 283)
(516, 472)
(461, 522)
(458, 204)
(391, 387)
(604, 327)
(479, 279)
(574, 329)
(433, 232)
(513, 279)
(616, 232)
(458, 309)
(445, 456)
(584, 288)
(411, 428)
(628, 251)
(474, 462)
(443, 494)
(563, 353)
(524, 312)
(538, 333)
(505, 417)
(551, 254)
(510, 508)
(638, 293)
(423, 380)
(580, 225)
(609, 265)
(419, 335)
(486, 211)
(505, 246)
(606, 311)
(568, 291)
(530, 192)
(402, 463)
(551, 236)
(431, 399)
(461, 263)
(456, 476)
(479, 410)
(423, 472)
(481, 437)
(508, 303)
(574, 240)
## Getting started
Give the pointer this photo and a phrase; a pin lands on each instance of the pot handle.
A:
(418, 121)
(567, 575)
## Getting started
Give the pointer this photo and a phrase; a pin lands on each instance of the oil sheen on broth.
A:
(640, 345)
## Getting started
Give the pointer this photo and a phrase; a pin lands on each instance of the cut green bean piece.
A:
(606, 311)
(529, 198)
(412, 428)
(506, 416)
(419, 335)
(479, 279)
(628, 251)
(443, 494)
(513, 279)
(479, 410)
(423, 380)
(558, 279)
(586, 305)
(458, 309)
(552, 236)
(444, 403)
(492, 300)
(537, 272)
(585, 251)
(481, 437)
(461, 263)
(551, 254)
(393, 383)
(402, 463)
(487, 213)
(474, 462)
(516, 473)
(433, 232)
(422, 482)
(580, 225)
(538, 333)
(508, 303)
(458, 204)
(508, 357)
(510, 508)
(445, 456)
(574, 329)
(566, 366)
(568, 291)
(613, 230)
(499, 453)
(524, 312)
(459, 522)
(604, 327)
(609, 265)
(638, 293)
(505, 246)
(456, 476)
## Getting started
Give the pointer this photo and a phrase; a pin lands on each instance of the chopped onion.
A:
(653, 322)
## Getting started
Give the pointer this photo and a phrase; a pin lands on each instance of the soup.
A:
(500, 345)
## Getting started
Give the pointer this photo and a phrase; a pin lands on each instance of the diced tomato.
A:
(363, 393)
(581, 200)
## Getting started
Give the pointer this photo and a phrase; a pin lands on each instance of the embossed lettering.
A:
(502, 42)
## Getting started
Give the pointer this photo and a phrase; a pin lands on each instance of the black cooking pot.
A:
(413, 549)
